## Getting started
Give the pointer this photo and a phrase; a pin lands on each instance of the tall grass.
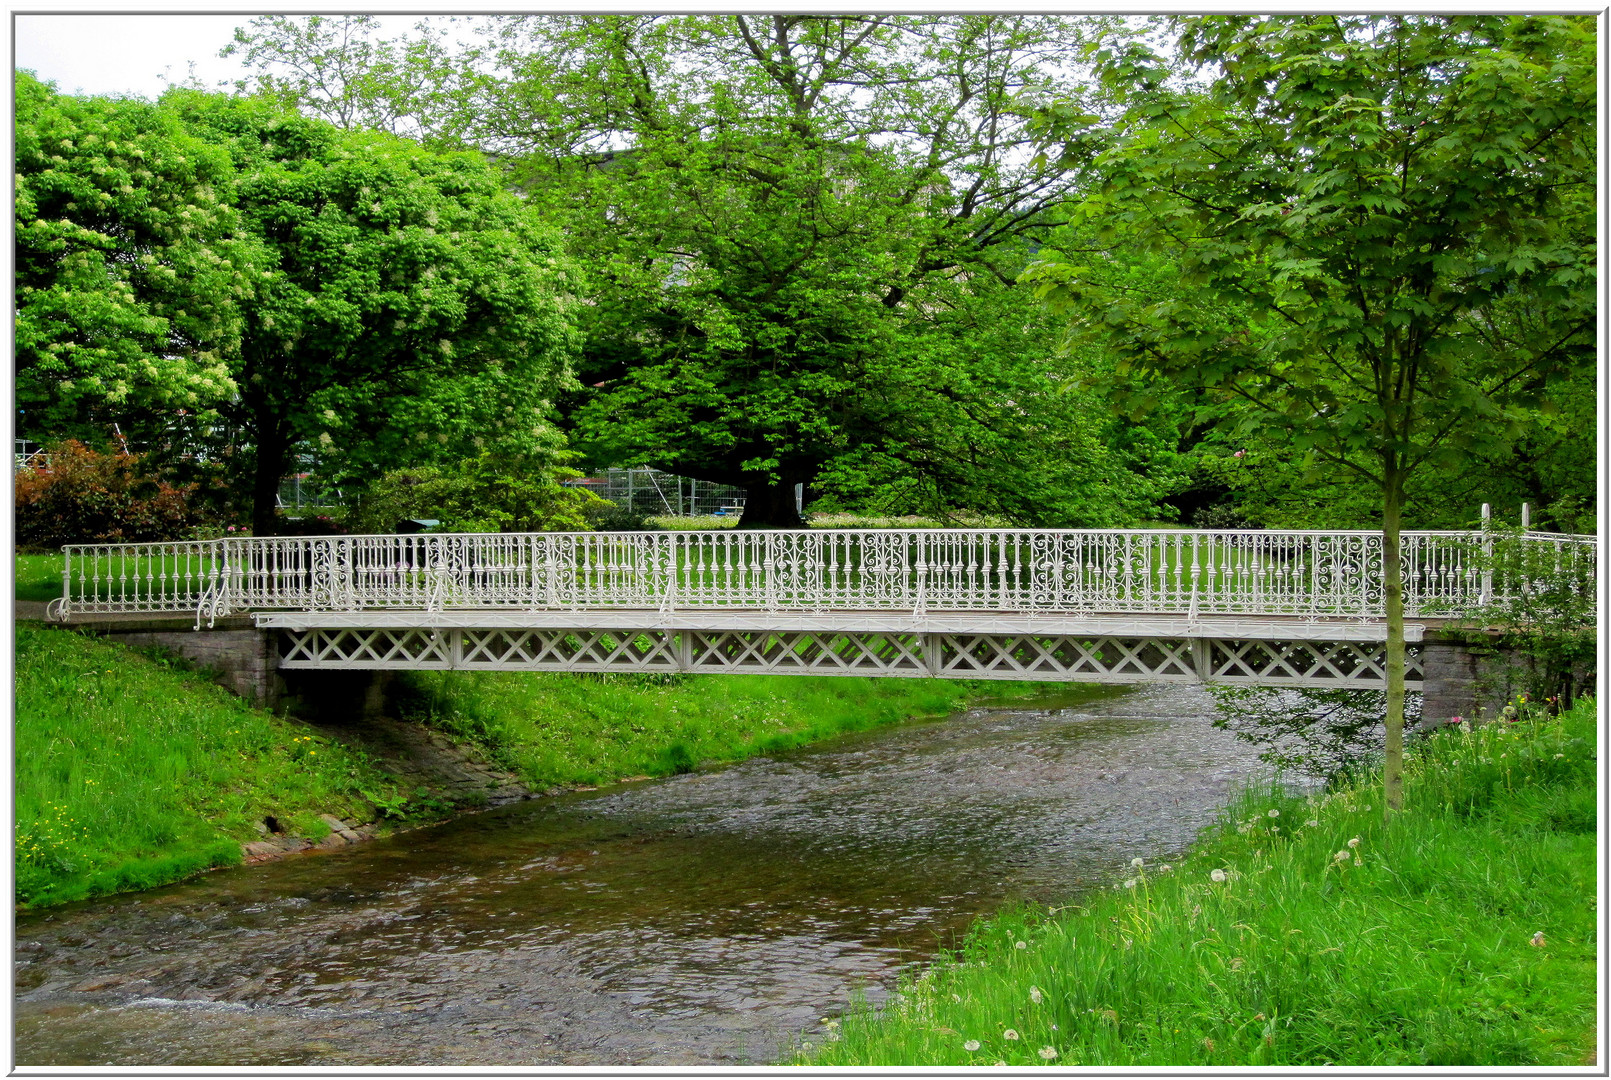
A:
(554, 729)
(132, 772)
(1302, 932)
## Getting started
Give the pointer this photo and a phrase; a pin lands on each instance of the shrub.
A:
(87, 496)
(491, 493)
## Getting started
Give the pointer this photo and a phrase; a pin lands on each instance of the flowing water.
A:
(714, 917)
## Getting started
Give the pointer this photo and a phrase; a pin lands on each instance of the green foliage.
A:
(1405, 248)
(1398, 259)
(490, 493)
(799, 235)
(409, 308)
(87, 496)
(1457, 934)
(595, 729)
(1545, 614)
(129, 265)
(132, 772)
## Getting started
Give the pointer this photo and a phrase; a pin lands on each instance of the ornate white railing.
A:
(1184, 572)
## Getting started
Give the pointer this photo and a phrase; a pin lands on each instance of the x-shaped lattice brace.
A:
(1066, 657)
(805, 651)
(365, 648)
(1346, 663)
(564, 649)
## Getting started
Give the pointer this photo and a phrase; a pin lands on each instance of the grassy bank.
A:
(596, 729)
(1303, 932)
(132, 772)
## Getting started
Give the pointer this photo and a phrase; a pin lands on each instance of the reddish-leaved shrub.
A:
(84, 496)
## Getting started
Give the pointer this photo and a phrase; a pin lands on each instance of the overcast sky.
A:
(131, 54)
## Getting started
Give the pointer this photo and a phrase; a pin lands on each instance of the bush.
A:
(488, 494)
(87, 496)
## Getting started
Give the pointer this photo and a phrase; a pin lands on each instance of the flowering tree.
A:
(407, 304)
(127, 261)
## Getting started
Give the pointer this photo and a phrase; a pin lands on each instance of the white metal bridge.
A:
(1298, 608)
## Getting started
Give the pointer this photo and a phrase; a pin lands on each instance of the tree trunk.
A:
(1393, 603)
(770, 505)
(273, 449)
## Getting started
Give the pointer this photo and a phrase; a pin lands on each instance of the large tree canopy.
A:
(130, 262)
(407, 305)
(1398, 213)
(794, 230)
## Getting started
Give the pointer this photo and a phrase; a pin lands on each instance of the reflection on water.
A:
(706, 918)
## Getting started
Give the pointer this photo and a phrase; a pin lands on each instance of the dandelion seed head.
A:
(1129, 883)
(1216, 875)
(1020, 944)
(1010, 1035)
(1273, 813)
(1136, 863)
(1034, 994)
(1341, 856)
(1354, 842)
(1047, 1053)
(971, 1045)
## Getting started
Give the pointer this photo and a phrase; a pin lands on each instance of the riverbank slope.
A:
(134, 771)
(1303, 932)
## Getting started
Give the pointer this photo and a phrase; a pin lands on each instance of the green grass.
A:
(39, 577)
(132, 771)
(594, 729)
(1415, 947)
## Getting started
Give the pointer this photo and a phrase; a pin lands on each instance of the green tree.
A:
(1400, 208)
(408, 309)
(129, 267)
(795, 230)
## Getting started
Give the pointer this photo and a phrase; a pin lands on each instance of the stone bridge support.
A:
(1466, 674)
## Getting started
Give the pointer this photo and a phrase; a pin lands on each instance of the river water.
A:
(709, 918)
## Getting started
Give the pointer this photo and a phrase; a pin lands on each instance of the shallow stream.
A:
(714, 917)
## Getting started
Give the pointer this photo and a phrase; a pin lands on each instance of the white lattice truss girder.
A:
(899, 654)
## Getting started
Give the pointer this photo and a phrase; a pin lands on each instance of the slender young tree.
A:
(1401, 210)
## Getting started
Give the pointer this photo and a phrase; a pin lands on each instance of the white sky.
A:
(131, 54)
